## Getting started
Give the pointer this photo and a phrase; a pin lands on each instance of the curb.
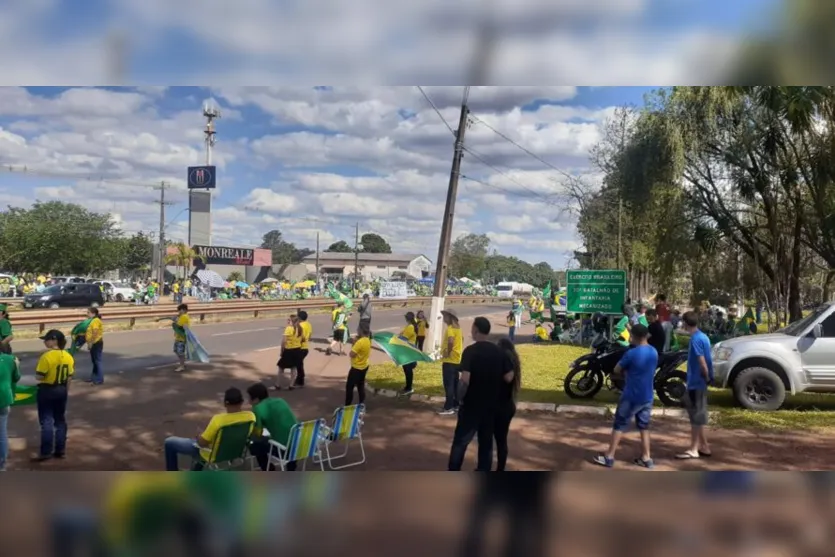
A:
(570, 409)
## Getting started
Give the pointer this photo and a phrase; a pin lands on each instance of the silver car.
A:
(763, 369)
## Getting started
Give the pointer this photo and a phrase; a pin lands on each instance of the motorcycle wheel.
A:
(672, 389)
(583, 383)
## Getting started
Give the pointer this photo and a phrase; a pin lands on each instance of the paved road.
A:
(126, 351)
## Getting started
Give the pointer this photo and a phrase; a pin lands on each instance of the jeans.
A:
(472, 422)
(356, 379)
(450, 378)
(4, 436)
(52, 410)
(75, 532)
(176, 446)
(96, 350)
(511, 334)
(409, 372)
(668, 335)
(260, 448)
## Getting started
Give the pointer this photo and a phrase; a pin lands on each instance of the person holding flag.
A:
(409, 333)
(181, 325)
(6, 332)
(340, 330)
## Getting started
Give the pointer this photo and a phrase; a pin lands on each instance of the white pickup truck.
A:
(763, 369)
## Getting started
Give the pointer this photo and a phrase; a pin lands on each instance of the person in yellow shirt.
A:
(451, 350)
(360, 353)
(200, 448)
(409, 332)
(307, 329)
(54, 372)
(94, 340)
(180, 325)
(422, 325)
(291, 351)
(540, 333)
(340, 331)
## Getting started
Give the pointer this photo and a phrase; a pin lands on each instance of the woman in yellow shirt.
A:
(360, 352)
(451, 351)
(94, 339)
(291, 352)
(409, 333)
(422, 325)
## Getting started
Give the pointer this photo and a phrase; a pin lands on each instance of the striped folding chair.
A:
(304, 443)
(346, 429)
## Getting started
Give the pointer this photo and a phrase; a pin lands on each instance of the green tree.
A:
(468, 254)
(235, 276)
(340, 247)
(61, 238)
(283, 252)
(374, 243)
(138, 254)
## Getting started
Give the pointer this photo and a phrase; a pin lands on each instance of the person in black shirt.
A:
(507, 403)
(483, 369)
(657, 334)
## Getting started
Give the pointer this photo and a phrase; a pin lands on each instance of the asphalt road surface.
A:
(130, 351)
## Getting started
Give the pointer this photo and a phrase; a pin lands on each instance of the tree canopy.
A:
(340, 247)
(374, 243)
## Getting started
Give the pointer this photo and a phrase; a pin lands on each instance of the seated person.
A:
(200, 448)
(274, 415)
(540, 334)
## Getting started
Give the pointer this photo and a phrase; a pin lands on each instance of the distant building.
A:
(371, 265)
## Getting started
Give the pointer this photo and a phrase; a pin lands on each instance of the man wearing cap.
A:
(451, 350)
(54, 372)
(6, 333)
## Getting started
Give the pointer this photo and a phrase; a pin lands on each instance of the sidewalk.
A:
(122, 425)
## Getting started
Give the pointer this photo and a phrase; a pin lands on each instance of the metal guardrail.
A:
(200, 311)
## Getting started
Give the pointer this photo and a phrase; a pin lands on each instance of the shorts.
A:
(695, 402)
(339, 335)
(290, 358)
(627, 411)
(180, 347)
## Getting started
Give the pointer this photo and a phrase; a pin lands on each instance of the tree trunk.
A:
(794, 307)
(827, 285)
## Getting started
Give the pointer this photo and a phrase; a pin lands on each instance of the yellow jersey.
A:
(55, 367)
(409, 333)
(542, 334)
(421, 330)
(291, 339)
(182, 323)
(220, 421)
(360, 353)
(95, 332)
(453, 356)
(307, 329)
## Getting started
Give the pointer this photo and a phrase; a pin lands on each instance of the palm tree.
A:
(183, 258)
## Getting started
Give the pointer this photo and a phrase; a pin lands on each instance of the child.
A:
(422, 325)
(639, 365)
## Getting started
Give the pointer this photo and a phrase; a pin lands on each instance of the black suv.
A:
(66, 295)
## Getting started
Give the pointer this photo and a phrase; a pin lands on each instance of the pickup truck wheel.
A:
(759, 388)
(120, 298)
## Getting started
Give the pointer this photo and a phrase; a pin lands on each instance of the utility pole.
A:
(162, 251)
(317, 260)
(356, 260)
(435, 318)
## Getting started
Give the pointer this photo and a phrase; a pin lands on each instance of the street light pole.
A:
(441, 269)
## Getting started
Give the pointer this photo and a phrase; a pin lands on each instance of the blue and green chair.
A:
(345, 430)
(305, 442)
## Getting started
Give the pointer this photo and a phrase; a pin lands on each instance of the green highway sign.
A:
(596, 291)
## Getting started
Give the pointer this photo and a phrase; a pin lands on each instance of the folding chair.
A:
(345, 429)
(304, 442)
(230, 447)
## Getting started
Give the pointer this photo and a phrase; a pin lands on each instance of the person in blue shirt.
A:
(638, 365)
(699, 377)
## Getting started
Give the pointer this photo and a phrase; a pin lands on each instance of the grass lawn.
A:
(544, 369)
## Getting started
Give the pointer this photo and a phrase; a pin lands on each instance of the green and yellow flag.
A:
(743, 326)
(25, 394)
(400, 350)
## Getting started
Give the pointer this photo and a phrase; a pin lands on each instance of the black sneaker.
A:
(40, 458)
(60, 456)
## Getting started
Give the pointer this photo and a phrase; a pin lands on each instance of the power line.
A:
(521, 147)
(27, 171)
(507, 176)
(435, 108)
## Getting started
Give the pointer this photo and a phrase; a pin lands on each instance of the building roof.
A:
(325, 256)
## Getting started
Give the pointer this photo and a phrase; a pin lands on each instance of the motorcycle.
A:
(590, 373)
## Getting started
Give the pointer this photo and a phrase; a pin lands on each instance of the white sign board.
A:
(393, 291)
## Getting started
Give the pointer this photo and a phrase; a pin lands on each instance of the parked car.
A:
(65, 295)
(117, 291)
(71, 280)
(762, 369)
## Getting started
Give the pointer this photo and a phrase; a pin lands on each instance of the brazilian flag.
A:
(400, 350)
(743, 326)
(25, 395)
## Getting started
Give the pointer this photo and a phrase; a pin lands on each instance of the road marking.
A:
(268, 348)
(244, 331)
(159, 367)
